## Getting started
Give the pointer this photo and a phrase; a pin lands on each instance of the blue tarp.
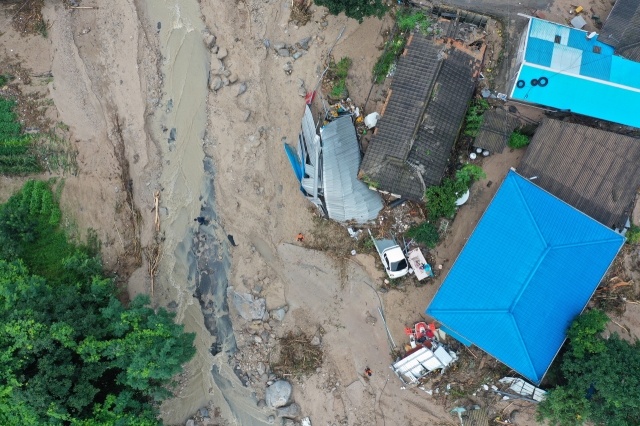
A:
(295, 163)
(528, 269)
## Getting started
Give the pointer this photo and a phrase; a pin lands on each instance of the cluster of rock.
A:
(256, 340)
(207, 416)
(219, 75)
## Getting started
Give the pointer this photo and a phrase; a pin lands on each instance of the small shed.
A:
(528, 269)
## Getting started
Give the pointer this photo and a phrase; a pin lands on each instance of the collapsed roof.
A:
(327, 166)
(426, 104)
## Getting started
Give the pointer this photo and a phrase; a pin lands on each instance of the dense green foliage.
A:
(469, 174)
(518, 140)
(393, 47)
(409, 19)
(441, 200)
(356, 9)
(633, 234)
(473, 119)
(16, 156)
(602, 378)
(340, 71)
(425, 233)
(71, 352)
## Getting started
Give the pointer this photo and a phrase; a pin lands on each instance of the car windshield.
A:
(399, 266)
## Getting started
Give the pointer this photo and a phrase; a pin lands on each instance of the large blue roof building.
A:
(528, 269)
(570, 69)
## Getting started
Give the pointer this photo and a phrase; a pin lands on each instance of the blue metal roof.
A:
(599, 85)
(530, 266)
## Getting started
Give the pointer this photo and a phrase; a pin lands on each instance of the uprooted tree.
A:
(600, 378)
(356, 9)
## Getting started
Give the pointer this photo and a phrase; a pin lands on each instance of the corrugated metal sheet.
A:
(345, 196)
(621, 30)
(529, 267)
(477, 417)
(497, 125)
(594, 171)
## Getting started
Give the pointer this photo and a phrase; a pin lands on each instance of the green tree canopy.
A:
(71, 353)
(356, 9)
(602, 378)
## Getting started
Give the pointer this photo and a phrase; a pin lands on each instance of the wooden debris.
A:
(154, 254)
(156, 200)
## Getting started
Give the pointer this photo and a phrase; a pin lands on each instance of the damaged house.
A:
(326, 163)
(421, 117)
(572, 70)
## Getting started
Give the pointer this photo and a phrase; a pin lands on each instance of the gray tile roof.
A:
(497, 125)
(594, 171)
(621, 30)
(346, 198)
(429, 96)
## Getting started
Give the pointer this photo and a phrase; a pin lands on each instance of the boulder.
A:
(283, 52)
(215, 84)
(217, 66)
(279, 46)
(315, 341)
(302, 91)
(222, 53)
(233, 78)
(241, 90)
(278, 314)
(214, 50)
(290, 411)
(262, 404)
(190, 422)
(277, 395)
(271, 420)
(288, 67)
(304, 43)
(210, 40)
(296, 55)
(248, 307)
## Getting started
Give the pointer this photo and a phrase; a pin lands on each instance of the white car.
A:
(392, 256)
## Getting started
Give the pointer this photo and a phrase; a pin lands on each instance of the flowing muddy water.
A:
(193, 275)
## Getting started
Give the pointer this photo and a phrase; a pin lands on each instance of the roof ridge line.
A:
(524, 345)
(528, 280)
(526, 205)
(584, 243)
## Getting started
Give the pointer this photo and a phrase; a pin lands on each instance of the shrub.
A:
(408, 20)
(474, 115)
(394, 47)
(441, 200)
(518, 140)
(340, 70)
(425, 233)
(470, 173)
(356, 9)
(633, 234)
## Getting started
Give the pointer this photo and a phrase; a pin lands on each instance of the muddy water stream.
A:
(193, 275)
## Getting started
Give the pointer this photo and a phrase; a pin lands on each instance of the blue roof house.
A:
(528, 269)
(569, 69)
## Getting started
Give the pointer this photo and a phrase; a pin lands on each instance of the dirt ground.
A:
(128, 76)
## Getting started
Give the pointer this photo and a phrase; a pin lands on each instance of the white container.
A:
(473, 155)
